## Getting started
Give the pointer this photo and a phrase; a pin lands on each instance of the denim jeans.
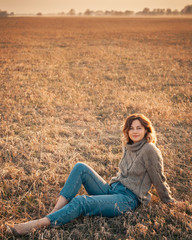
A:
(102, 199)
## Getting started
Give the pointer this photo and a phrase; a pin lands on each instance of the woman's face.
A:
(137, 131)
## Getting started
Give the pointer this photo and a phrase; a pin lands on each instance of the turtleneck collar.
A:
(136, 146)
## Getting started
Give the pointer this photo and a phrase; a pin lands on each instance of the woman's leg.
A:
(61, 202)
(97, 205)
(81, 174)
(84, 175)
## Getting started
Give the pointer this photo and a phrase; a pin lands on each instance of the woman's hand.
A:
(172, 201)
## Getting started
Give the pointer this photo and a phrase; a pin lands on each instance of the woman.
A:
(140, 167)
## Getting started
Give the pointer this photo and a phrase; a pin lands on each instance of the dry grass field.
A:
(66, 86)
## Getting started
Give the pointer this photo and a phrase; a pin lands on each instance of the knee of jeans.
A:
(80, 166)
(80, 201)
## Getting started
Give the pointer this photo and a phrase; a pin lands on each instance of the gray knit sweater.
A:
(140, 167)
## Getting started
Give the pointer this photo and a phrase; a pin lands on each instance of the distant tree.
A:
(110, 13)
(168, 11)
(146, 10)
(187, 10)
(157, 11)
(127, 12)
(71, 12)
(117, 13)
(107, 12)
(39, 14)
(160, 11)
(163, 11)
(88, 12)
(3, 14)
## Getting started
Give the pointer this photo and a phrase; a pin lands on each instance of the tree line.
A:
(187, 10)
(146, 12)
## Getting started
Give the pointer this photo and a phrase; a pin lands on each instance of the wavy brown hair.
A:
(145, 122)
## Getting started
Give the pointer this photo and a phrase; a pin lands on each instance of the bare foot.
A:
(27, 227)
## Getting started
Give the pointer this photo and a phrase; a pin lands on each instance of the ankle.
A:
(61, 202)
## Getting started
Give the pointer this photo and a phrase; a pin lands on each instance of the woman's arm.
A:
(154, 165)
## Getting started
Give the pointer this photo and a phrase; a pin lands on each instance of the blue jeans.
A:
(103, 199)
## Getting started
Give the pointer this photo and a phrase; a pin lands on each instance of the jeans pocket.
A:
(113, 187)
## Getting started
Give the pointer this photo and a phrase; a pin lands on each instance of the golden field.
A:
(66, 86)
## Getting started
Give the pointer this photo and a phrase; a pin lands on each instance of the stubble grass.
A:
(67, 85)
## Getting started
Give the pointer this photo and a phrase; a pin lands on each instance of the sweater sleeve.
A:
(154, 165)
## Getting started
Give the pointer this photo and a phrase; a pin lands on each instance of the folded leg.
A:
(98, 205)
(84, 175)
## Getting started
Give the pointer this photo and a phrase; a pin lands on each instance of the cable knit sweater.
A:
(140, 167)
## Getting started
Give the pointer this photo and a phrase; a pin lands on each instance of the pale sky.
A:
(55, 6)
